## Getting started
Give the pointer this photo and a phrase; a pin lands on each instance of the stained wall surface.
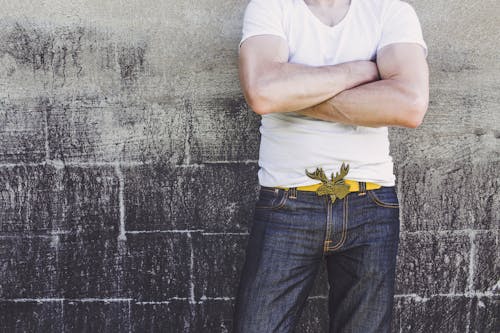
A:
(128, 170)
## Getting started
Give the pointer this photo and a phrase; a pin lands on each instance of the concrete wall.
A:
(125, 143)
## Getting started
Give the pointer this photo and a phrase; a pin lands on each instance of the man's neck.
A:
(325, 3)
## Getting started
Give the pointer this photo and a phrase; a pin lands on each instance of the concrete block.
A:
(96, 128)
(28, 268)
(90, 267)
(88, 200)
(214, 140)
(22, 130)
(485, 253)
(459, 196)
(96, 316)
(214, 316)
(28, 199)
(435, 314)
(156, 266)
(484, 313)
(432, 263)
(213, 197)
(31, 316)
(218, 260)
(41, 199)
(172, 316)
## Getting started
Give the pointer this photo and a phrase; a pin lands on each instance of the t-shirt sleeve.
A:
(263, 17)
(401, 25)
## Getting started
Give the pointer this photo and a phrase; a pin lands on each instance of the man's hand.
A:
(400, 99)
(271, 84)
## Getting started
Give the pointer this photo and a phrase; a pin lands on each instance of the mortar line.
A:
(467, 231)
(318, 297)
(192, 299)
(122, 235)
(58, 299)
(472, 261)
(23, 234)
(28, 236)
(223, 298)
(231, 162)
(220, 298)
(412, 295)
(153, 302)
(467, 322)
(450, 295)
(400, 195)
(225, 233)
(60, 163)
(185, 231)
(62, 315)
(52, 234)
(129, 316)
(191, 268)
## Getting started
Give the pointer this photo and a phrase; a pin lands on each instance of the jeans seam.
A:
(381, 203)
(328, 223)
(344, 226)
(280, 204)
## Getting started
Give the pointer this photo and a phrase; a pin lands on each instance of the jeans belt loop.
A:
(362, 188)
(293, 193)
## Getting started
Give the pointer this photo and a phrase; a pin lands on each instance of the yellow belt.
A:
(353, 186)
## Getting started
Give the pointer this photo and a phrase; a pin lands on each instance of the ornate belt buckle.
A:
(336, 187)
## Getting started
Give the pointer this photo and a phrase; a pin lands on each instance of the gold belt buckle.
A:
(336, 187)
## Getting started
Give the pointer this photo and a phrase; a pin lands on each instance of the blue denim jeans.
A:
(293, 233)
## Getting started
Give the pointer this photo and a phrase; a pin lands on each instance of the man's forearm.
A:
(272, 84)
(291, 87)
(380, 103)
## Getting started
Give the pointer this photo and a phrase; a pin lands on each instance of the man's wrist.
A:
(337, 114)
(361, 72)
(343, 74)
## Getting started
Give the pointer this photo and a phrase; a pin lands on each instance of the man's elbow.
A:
(258, 101)
(417, 107)
(259, 106)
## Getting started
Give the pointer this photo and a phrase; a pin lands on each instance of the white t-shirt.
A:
(290, 142)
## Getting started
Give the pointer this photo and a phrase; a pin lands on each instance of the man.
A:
(328, 77)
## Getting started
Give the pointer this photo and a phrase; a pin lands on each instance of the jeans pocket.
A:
(271, 198)
(385, 196)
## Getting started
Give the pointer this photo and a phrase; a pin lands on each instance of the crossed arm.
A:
(391, 92)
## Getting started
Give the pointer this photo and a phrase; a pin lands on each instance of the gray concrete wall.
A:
(125, 142)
